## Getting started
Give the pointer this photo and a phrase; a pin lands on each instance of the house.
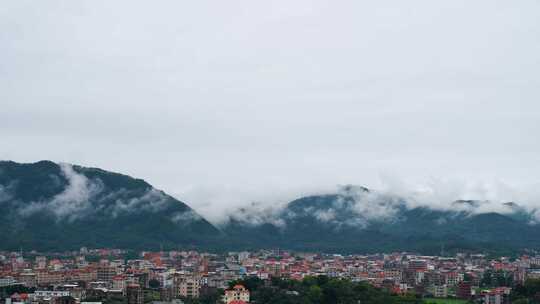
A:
(236, 294)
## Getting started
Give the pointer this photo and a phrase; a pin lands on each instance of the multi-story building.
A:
(119, 283)
(464, 290)
(85, 275)
(499, 295)
(50, 294)
(237, 293)
(451, 278)
(49, 277)
(434, 278)
(418, 265)
(186, 286)
(7, 281)
(29, 279)
(134, 294)
(105, 273)
(438, 291)
(41, 262)
(393, 274)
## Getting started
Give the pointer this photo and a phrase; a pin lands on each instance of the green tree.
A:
(315, 294)
(154, 284)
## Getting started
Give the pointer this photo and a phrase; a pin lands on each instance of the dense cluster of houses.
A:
(93, 275)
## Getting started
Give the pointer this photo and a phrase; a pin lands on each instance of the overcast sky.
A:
(224, 102)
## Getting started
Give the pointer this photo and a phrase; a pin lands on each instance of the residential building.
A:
(237, 293)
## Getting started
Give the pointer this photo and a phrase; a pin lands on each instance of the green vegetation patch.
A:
(444, 301)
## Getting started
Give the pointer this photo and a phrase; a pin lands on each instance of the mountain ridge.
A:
(82, 206)
(61, 206)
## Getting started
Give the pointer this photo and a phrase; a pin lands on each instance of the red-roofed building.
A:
(500, 295)
(237, 295)
(19, 297)
(119, 282)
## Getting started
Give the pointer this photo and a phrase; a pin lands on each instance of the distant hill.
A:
(358, 220)
(47, 206)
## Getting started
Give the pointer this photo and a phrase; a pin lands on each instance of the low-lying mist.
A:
(264, 204)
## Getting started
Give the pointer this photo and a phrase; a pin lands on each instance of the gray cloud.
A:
(185, 217)
(151, 200)
(225, 104)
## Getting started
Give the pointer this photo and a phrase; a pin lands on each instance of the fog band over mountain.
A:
(258, 207)
(269, 204)
(82, 197)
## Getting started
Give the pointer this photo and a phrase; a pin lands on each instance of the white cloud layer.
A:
(83, 197)
(73, 202)
(381, 203)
